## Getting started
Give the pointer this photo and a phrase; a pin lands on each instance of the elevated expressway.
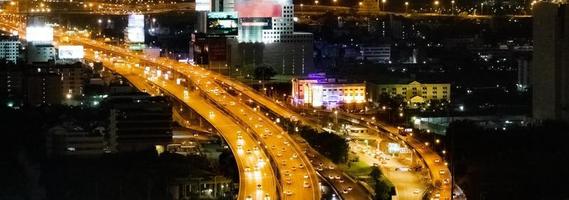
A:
(253, 167)
(231, 122)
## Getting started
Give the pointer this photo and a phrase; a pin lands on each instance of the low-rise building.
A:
(63, 140)
(327, 92)
(376, 54)
(138, 121)
(414, 92)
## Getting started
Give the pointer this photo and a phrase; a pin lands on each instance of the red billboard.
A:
(258, 8)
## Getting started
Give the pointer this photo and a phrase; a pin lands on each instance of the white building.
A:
(376, 54)
(327, 92)
(271, 23)
(10, 48)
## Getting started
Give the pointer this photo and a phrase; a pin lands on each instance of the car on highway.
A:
(345, 191)
(259, 187)
(288, 192)
(417, 191)
(249, 197)
(337, 177)
(331, 167)
(442, 172)
(301, 166)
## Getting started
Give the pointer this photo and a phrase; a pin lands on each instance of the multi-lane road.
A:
(257, 154)
(439, 171)
(253, 168)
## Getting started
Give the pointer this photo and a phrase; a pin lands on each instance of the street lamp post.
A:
(406, 6)
(436, 3)
(452, 7)
(383, 5)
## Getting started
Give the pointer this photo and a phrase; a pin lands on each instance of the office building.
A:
(138, 121)
(10, 48)
(550, 67)
(414, 92)
(317, 91)
(271, 23)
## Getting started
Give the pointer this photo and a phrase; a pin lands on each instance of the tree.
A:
(375, 173)
(382, 190)
(264, 72)
(382, 187)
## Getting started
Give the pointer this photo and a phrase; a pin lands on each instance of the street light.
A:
(406, 6)
(436, 3)
(383, 5)
(452, 6)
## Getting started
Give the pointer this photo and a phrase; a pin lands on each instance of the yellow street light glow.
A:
(436, 3)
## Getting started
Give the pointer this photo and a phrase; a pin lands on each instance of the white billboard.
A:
(135, 34)
(136, 21)
(39, 34)
(71, 52)
(393, 148)
(203, 5)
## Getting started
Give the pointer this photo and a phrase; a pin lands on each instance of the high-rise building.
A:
(41, 53)
(550, 74)
(43, 88)
(271, 22)
(9, 48)
(11, 84)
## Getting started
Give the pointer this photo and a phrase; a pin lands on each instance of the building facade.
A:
(414, 92)
(41, 53)
(376, 54)
(138, 122)
(550, 77)
(327, 92)
(73, 141)
(43, 88)
(286, 51)
(10, 48)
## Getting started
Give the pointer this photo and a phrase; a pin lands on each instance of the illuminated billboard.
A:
(264, 22)
(222, 23)
(39, 34)
(136, 20)
(203, 5)
(393, 148)
(135, 29)
(258, 8)
(135, 34)
(71, 52)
